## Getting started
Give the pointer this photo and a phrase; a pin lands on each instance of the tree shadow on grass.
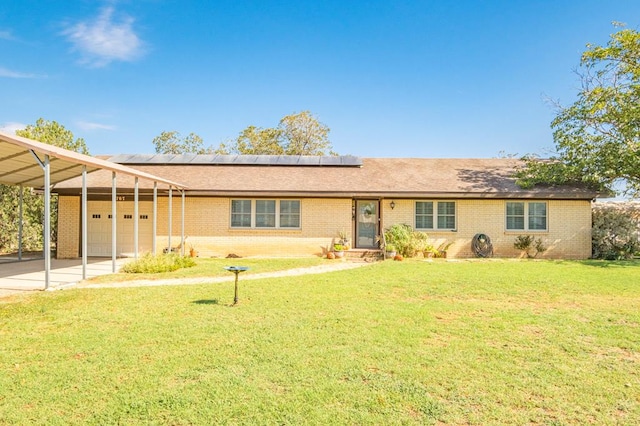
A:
(632, 263)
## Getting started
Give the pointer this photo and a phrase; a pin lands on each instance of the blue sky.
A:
(390, 78)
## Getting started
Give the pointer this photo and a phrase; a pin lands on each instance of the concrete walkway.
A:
(319, 269)
(28, 275)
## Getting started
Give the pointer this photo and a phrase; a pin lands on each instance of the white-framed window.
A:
(526, 216)
(289, 214)
(241, 213)
(265, 214)
(436, 215)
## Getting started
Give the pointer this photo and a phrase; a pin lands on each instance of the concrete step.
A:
(365, 255)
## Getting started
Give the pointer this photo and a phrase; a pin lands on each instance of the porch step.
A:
(364, 255)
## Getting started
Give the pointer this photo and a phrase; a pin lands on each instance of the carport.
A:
(28, 163)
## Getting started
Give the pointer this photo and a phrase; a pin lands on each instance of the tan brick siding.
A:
(68, 227)
(568, 235)
(207, 225)
(208, 228)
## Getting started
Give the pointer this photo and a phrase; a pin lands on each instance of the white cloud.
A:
(6, 35)
(11, 127)
(87, 125)
(7, 73)
(105, 40)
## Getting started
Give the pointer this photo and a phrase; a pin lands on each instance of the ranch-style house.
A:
(297, 205)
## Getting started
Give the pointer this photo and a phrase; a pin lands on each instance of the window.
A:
(526, 216)
(241, 213)
(265, 213)
(289, 214)
(446, 215)
(443, 217)
(424, 215)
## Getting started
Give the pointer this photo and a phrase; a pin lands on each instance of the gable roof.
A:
(375, 177)
(19, 166)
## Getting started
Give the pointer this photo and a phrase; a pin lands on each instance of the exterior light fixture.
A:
(393, 205)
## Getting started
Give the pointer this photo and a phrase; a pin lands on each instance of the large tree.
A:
(296, 134)
(597, 138)
(258, 141)
(52, 133)
(173, 143)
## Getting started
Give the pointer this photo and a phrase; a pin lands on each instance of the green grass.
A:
(495, 342)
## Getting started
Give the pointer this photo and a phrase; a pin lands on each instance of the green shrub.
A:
(153, 264)
(526, 242)
(615, 233)
(406, 241)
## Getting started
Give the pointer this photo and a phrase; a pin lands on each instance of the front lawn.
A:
(413, 342)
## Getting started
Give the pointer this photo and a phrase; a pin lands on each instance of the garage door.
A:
(99, 228)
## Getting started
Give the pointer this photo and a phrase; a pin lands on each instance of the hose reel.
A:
(481, 245)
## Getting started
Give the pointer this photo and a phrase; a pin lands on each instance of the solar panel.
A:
(255, 160)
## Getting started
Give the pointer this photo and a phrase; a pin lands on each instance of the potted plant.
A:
(442, 249)
(429, 251)
(344, 240)
(338, 250)
(390, 251)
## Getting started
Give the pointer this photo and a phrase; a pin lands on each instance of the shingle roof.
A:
(377, 177)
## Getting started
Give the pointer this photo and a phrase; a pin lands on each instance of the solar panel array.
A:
(244, 160)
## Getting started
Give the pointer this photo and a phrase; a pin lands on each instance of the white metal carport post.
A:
(47, 222)
(113, 223)
(84, 222)
(155, 216)
(20, 214)
(135, 222)
(182, 224)
(46, 232)
(170, 219)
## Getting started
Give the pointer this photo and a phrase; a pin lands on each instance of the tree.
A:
(296, 134)
(597, 138)
(172, 143)
(303, 134)
(52, 133)
(258, 141)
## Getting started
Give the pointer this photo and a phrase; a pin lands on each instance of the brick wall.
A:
(208, 229)
(207, 225)
(568, 235)
(68, 227)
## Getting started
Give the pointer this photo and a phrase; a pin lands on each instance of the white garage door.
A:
(99, 228)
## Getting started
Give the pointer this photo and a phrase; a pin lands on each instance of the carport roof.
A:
(18, 164)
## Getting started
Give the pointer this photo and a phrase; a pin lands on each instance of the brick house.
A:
(295, 206)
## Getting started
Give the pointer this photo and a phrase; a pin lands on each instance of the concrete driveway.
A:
(28, 275)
